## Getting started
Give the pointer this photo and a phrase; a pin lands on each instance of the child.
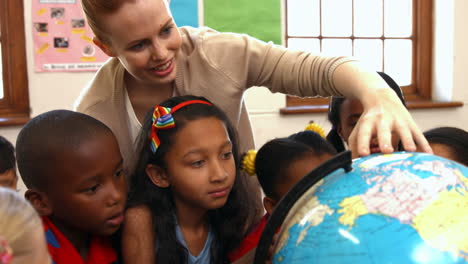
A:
(21, 233)
(8, 177)
(188, 202)
(449, 142)
(344, 114)
(279, 165)
(72, 167)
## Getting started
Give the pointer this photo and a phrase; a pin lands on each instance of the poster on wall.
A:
(62, 39)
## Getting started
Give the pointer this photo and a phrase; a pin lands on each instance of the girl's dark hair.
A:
(274, 158)
(454, 138)
(334, 112)
(226, 223)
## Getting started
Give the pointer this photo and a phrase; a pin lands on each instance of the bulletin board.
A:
(62, 39)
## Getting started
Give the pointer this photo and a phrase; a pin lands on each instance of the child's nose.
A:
(219, 172)
(116, 193)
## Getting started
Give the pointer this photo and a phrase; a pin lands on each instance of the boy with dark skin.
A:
(72, 167)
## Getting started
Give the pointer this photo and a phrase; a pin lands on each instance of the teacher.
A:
(153, 59)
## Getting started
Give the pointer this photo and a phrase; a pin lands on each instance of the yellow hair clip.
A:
(248, 162)
(314, 127)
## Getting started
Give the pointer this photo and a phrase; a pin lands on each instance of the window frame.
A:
(417, 95)
(14, 106)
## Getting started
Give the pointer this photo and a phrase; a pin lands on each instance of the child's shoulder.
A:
(138, 221)
(138, 236)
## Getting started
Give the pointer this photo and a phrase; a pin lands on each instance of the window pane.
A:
(309, 45)
(368, 18)
(303, 18)
(1, 73)
(337, 47)
(398, 18)
(370, 52)
(398, 60)
(337, 18)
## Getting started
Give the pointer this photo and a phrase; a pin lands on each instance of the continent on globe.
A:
(435, 206)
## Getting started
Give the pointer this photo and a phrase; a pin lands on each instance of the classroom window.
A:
(14, 98)
(393, 36)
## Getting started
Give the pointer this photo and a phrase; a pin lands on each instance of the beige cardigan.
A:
(220, 67)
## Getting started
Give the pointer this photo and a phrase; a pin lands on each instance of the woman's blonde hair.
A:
(93, 9)
(18, 220)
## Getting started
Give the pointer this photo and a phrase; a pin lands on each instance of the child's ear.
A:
(269, 204)
(39, 201)
(104, 47)
(158, 176)
(339, 130)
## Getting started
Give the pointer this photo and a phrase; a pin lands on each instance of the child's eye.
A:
(121, 172)
(198, 164)
(227, 155)
(93, 189)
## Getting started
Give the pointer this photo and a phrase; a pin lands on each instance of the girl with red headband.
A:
(188, 202)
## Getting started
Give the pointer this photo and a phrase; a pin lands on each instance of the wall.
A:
(49, 91)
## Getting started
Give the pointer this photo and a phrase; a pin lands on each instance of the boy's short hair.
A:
(7, 155)
(44, 137)
(275, 156)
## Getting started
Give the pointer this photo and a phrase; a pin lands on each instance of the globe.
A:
(390, 208)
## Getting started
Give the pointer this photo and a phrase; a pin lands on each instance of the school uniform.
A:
(204, 256)
(245, 253)
(62, 251)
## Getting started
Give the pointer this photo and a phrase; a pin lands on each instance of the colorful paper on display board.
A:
(62, 39)
(63, 42)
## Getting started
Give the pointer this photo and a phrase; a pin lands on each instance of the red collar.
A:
(62, 251)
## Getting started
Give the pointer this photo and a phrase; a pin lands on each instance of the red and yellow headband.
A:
(163, 119)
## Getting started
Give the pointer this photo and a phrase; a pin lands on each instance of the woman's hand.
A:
(385, 116)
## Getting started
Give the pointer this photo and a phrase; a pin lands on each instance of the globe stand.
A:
(340, 161)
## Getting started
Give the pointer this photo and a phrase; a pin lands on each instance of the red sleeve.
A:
(250, 242)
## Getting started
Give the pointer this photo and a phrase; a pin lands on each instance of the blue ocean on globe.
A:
(393, 208)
